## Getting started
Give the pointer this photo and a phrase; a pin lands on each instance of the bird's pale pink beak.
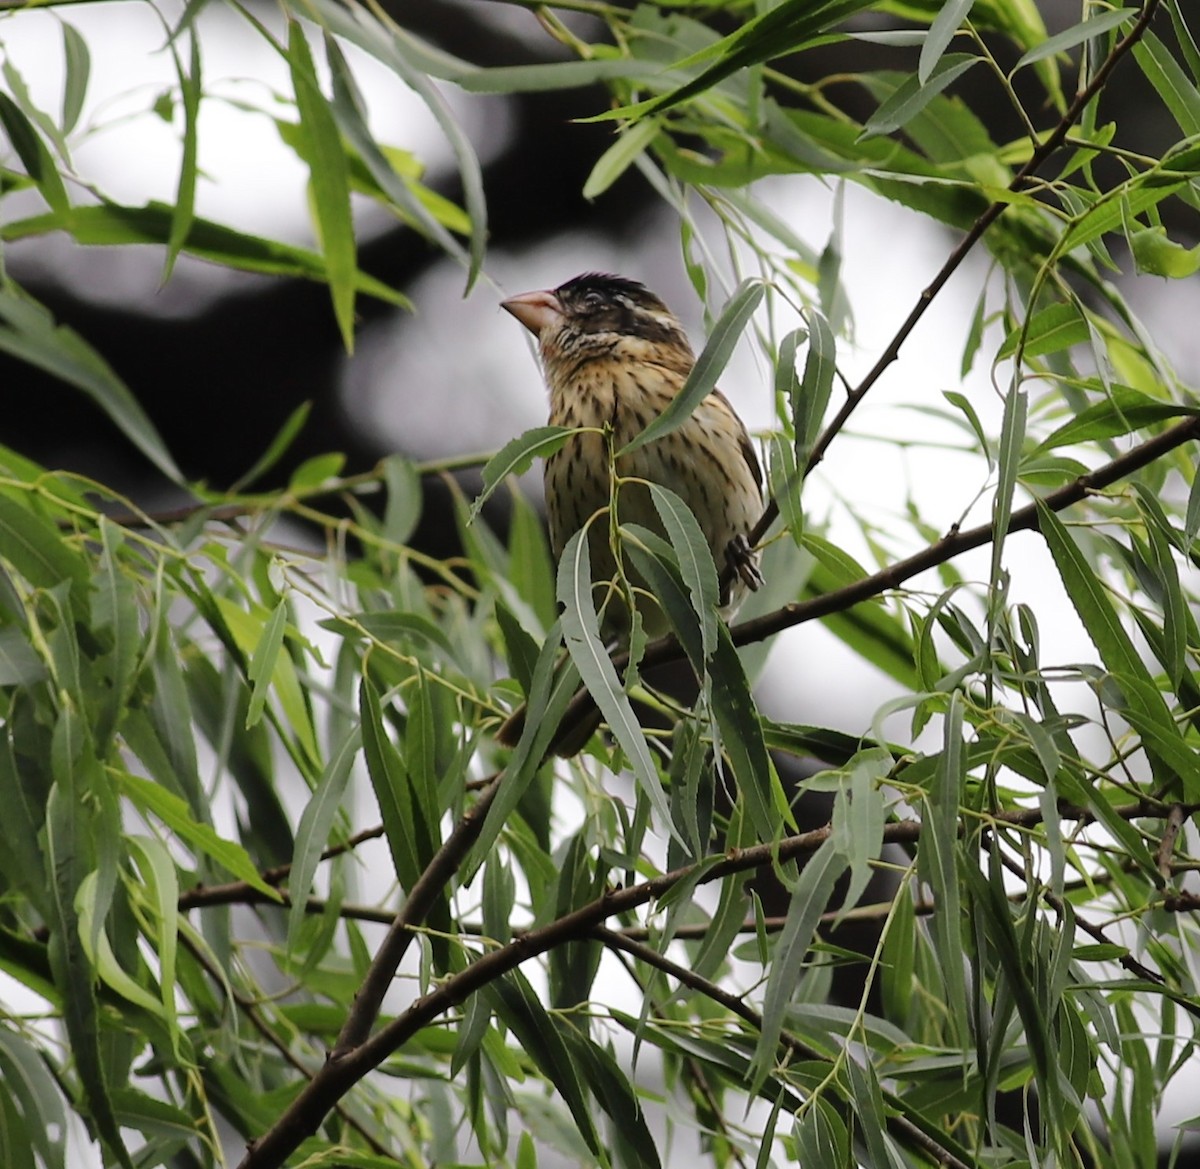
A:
(537, 311)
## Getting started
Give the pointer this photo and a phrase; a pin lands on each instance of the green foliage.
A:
(205, 732)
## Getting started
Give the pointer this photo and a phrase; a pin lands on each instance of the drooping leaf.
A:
(702, 380)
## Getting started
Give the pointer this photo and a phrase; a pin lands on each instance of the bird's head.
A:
(596, 315)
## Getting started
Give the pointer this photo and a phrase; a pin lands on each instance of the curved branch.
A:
(666, 649)
(342, 1071)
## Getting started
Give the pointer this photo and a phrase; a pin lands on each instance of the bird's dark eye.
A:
(592, 301)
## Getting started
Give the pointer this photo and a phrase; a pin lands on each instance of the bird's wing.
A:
(744, 442)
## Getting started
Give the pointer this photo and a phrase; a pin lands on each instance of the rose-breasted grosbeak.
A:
(614, 357)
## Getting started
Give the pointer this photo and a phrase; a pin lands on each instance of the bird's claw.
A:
(742, 560)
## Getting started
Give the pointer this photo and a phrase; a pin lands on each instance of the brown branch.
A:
(350, 1064)
(367, 483)
(242, 892)
(955, 543)
(1181, 902)
(1019, 182)
(1170, 834)
(421, 899)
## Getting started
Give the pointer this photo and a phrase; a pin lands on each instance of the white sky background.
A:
(489, 389)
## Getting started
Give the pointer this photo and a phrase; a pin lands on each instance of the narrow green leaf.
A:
(350, 111)
(190, 86)
(514, 1001)
(100, 953)
(1007, 948)
(821, 1136)
(709, 365)
(276, 449)
(1174, 611)
(1124, 410)
(1050, 330)
(616, 1097)
(694, 558)
(550, 693)
(1170, 82)
(872, 1120)
(246, 629)
(581, 633)
(532, 573)
(28, 1081)
(858, 818)
(961, 402)
(520, 647)
(773, 33)
(69, 822)
(1077, 34)
(19, 663)
(115, 608)
(816, 386)
(787, 384)
(742, 740)
(39, 552)
(785, 484)
(153, 799)
(77, 70)
(35, 156)
(516, 457)
(1156, 254)
(1008, 459)
(404, 498)
(314, 830)
(1191, 524)
(897, 969)
(411, 62)
(329, 181)
(263, 660)
(947, 22)
(28, 332)
(937, 867)
(110, 224)
(428, 745)
(809, 900)
(391, 785)
(170, 715)
(655, 560)
(389, 626)
(620, 156)
(913, 95)
(1146, 710)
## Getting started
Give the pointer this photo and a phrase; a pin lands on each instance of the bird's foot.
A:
(743, 561)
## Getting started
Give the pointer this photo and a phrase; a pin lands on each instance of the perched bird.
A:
(614, 356)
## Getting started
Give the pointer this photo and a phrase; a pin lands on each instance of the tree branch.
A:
(350, 1064)
(955, 543)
